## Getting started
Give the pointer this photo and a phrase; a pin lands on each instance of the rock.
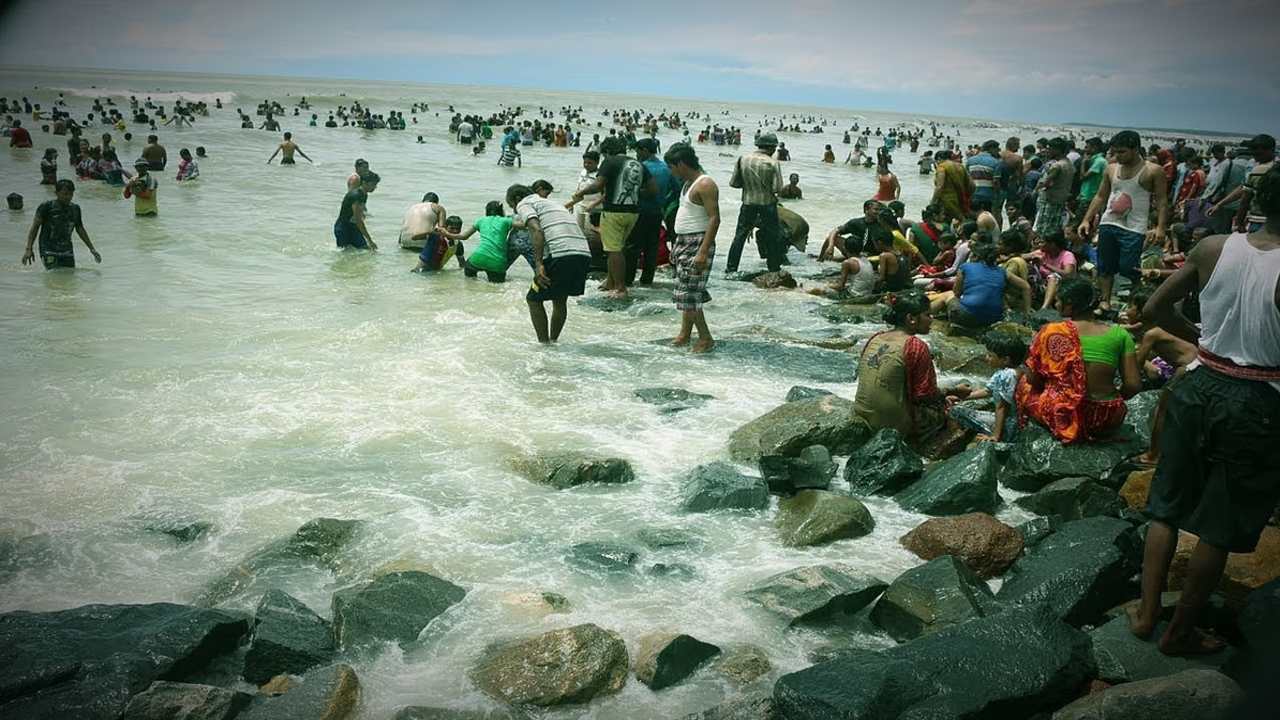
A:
(965, 483)
(1136, 488)
(813, 469)
(1080, 570)
(417, 712)
(800, 392)
(602, 556)
(607, 303)
(288, 638)
(743, 664)
(536, 604)
(884, 465)
(751, 707)
(1142, 410)
(931, 597)
(572, 665)
(817, 517)
(985, 545)
(393, 608)
(1254, 665)
(278, 685)
(961, 355)
(1259, 621)
(1245, 572)
(786, 430)
(944, 444)
(656, 538)
(679, 571)
(774, 280)
(1008, 665)
(719, 486)
(86, 662)
(1072, 499)
(1037, 459)
(1120, 657)
(801, 362)
(1188, 695)
(666, 659)
(852, 312)
(1037, 529)
(184, 701)
(317, 541)
(816, 593)
(672, 400)
(184, 531)
(326, 693)
(566, 470)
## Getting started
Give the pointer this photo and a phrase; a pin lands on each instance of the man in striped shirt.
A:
(759, 176)
(561, 258)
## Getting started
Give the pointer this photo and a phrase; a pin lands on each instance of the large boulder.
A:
(1038, 459)
(1188, 695)
(325, 693)
(1254, 665)
(800, 362)
(812, 470)
(1072, 499)
(1010, 665)
(1141, 414)
(817, 517)
(786, 430)
(719, 486)
(931, 597)
(287, 639)
(816, 593)
(317, 542)
(566, 470)
(420, 712)
(666, 659)
(855, 311)
(658, 538)
(743, 664)
(966, 483)
(1121, 657)
(1244, 573)
(1080, 571)
(185, 701)
(774, 280)
(748, 707)
(1037, 529)
(672, 400)
(985, 545)
(86, 663)
(572, 665)
(802, 392)
(959, 354)
(884, 465)
(393, 608)
(599, 556)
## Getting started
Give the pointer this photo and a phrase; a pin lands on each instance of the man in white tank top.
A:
(1129, 188)
(1219, 471)
(697, 222)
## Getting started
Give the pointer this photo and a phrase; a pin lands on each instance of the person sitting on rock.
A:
(1006, 351)
(1070, 384)
(897, 383)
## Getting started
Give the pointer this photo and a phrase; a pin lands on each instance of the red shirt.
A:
(19, 137)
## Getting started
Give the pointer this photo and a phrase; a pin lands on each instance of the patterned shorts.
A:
(1048, 216)
(691, 287)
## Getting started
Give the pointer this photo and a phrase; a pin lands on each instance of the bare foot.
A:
(703, 346)
(1149, 458)
(1195, 642)
(680, 341)
(1139, 627)
(618, 295)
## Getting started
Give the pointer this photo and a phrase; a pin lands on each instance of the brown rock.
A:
(278, 685)
(772, 280)
(948, 442)
(1135, 489)
(571, 665)
(743, 664)
(1244, 573)
(985, 545)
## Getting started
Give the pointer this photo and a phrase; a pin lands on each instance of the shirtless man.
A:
(420, 223)
(155, 154)
(269, 124)
(791, 191)
(288, 148)
(1011, 156)
(353, 180)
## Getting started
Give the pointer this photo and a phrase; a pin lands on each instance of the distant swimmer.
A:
(286, 151)
(54, 221)
(349, 229)
(155, 154)
(791, 191)
(269, 124)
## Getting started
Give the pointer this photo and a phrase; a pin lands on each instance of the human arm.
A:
(299, 151)
(458, 237)
(1130, 378)
(1160, 308)
(595, 186)
(1236, 193)
(357, 217)
(1002, 414)
(274, 154)
(922, 379)
(84, 237)
(29, 255)
(1095, 205)
(897, 188)
(708, 195)
(958, 287)
(539, 241)
(1022, 285)
(736, 180)
(937, 187)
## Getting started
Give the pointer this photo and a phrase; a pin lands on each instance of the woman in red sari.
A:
(897, 383)
(1070, 383)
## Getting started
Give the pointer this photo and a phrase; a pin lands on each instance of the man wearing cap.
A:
(759, 176)
(1250, 218)
(986, 171)
(644, 236)
(142, 188)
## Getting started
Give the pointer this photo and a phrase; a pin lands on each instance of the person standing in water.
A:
(696, 225)
(142, 188)
(561, 259)
(349, 229)
(353, 180)
(288, 148)
(759, 176)
(54, 221)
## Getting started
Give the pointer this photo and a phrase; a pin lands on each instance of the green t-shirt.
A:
(491, 253)
(1089, 186)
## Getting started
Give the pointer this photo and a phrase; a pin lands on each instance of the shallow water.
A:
(227, 363)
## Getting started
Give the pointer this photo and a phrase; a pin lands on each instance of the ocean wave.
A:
(155, 95)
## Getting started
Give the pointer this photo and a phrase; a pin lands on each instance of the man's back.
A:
(760, 177)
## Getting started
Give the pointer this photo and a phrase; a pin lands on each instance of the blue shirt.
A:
(986, 171)
(661, 174)
(983, 289)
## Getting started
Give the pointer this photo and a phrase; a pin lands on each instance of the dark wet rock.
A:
(325, 693)
(750, 707)
(1259, 654)
(1040, 318)
(985, 545)
(851, 312)
(1120, 657)
(816, 593)
(1037, 459)
(1188, 695)
(788, 360)
(666, 659)
(605, 303)
(744, 275)
(657, 538)
(719, 486)
(743, 664)
(186, 701)
(393, 608)
(800, 392)
(787, 429)
(944, 444)
(961, 355)
(1037, 529)
(1072, 499)
(965, 483)
(928, 598)
(678, 571)
(672, 400)
(817, 517)
(774, 280)
(418, 712)
(318, 541)
(1010, 665)
(884, 465)
(566, 470)
(572, 665)
(288, 638)
(1080, 571)
(22, 546)
(86, 663)
(603, 557)
(182, 530)
(1142, 410)
(812, 470)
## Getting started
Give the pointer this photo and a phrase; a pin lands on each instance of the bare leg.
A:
(705, 342)
(1152, 455)
(1162, 541)
(617, 268)
(1203, 574)
(559, 312)
(686, 327)
(1050, 292)
(1105, 283)
(538, 314)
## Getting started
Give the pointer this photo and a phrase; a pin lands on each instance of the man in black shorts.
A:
(55, 219)
(561, 259)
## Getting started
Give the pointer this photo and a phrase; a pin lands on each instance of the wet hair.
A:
(1269, 193)
(1057, 237)
(869, 205)
(682, 154)
(64, 184)
(898, 208)
(541, 184)
(1006, 344)
(370, 177)
(184, 152)
(930, 212)
(431, 197)
(947, 238)
(1140, 294)
(1036, 163)
(153, 138)
(984, 251)
(1126, 139)
(1077, 292)
(493, 207)
(288, 136)
(516, 193)
(591, 155)
(1013, 240)
(453, 221)
(903, 304)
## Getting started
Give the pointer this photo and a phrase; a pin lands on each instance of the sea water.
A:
(227, 363)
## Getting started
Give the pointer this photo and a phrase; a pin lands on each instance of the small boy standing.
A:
(1005, 351)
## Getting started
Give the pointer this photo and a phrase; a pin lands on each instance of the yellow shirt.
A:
(903, 246)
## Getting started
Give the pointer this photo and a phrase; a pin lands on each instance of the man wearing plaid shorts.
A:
(1054, 188)
(696, 225)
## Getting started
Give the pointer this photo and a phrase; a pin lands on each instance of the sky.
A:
(1203, 64)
